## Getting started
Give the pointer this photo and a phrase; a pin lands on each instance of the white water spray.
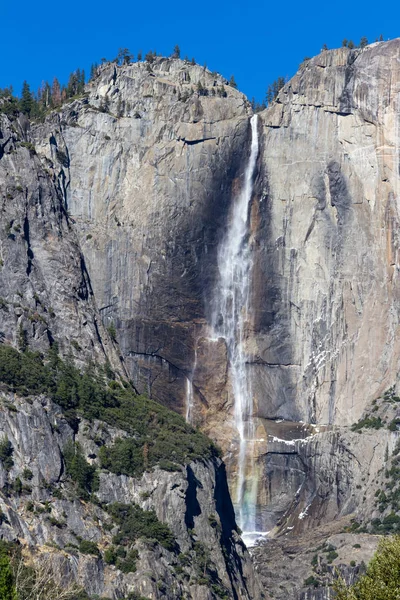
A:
(229, 320)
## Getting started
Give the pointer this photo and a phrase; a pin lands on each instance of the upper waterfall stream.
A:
(231, 313)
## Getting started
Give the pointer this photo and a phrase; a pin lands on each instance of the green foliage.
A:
(87, 547)
(112, 331)
(311, 581)
(7, 587)
(368, 423)
(22, 338)
(177, 52)
(83, 474)
(382, 578)
(150, 57)
(26, 102)
(232, 82)
(273, 89)
(9, 104)
(124, 57)
(393, 425)
(6, 452)
(135, 523)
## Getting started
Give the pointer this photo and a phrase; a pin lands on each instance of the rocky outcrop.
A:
(42, 510)
(315, 560)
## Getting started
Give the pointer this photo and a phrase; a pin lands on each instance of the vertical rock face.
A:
(150, 162)
(150, 166)
(326, 284)
(148, 183)
(44, 284)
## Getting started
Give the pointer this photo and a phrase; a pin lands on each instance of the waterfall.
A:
(231, 311)
(189, 390)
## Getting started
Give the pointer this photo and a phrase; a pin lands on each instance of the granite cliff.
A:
(145, 169)
(49, 311)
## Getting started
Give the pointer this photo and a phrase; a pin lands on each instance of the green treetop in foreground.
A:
(382, 579)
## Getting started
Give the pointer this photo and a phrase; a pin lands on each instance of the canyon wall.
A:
(151, 161)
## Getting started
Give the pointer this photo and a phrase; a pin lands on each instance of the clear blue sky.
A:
(256, 41)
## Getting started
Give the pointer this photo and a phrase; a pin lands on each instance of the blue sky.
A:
(256, 42)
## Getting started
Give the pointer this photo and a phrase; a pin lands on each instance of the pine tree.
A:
(81, 82)
(7, 589)
(363, 42)
(139, 56)
(26, 102)
(381, 38)
(232, 82)
(273, 89)
(150, 56)
(350, 45)
(124, 57)
(382, 578)
(93, 71)
(46, 95)
(56, 92)
(22, 338)
(344, 43)
(72, 85)
(177, 52)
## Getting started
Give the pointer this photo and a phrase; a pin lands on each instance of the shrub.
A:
(311, 581)
(368, 423)
(7, 587)
(77, 467)
(382, 578)
(134, 523)
(27, 474)
(87, 547)
(6, 451)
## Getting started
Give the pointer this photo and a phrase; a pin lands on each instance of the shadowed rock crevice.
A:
(193, 508)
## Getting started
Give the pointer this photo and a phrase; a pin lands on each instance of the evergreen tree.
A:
(381, 38)
(363, 42)
(139, 56)
(93, 71)
(26, 102)
(72, 85)
(7, 589)
(46, 99)
(150, 56)
(344, 43)
(22, 338)
(56, 92)
(81, 82)
(350, 45)
(273, 89)
(232, 82)
(124, 57)
(324, 47)
(382, 579)
(177, 52)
